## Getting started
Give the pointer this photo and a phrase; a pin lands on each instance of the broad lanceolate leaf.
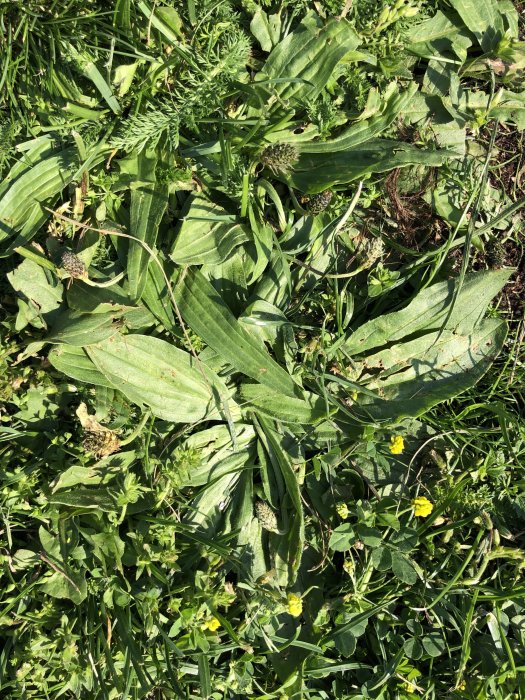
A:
(428, 310)
(300, 66)
(73, 362)
(41, 289)
(394, 104)
(433, 368)
(286, 409)
(149, 200)
(207, 234)
(156, 295)
(315, 172)
(153, 372)
(483, 18)
(22, 210)
(207, 509)
(289, 547)
(206, 314)
(74, 328)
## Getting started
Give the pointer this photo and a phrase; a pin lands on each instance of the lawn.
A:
(262, 369)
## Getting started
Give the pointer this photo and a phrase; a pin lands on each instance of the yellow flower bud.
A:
(409, 11)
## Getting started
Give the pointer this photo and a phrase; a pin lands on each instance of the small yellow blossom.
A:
(348, 566)
(409, 687)
(212, 624)
(422, 507)
(353, 395)
(342, 511)
(397, 444)
(295, 605)
(462, 685)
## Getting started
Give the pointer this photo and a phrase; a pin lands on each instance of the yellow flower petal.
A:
(342, 511)
(212, 624)
(397, 444)
(295, 604)
(422, 507)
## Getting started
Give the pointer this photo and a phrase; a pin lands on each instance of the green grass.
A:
(262, 288)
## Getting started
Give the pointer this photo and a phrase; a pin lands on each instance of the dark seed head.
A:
(101, 442)
(279, 157)
(72, 264)
(318, 202)
(495, 254)
(266, 516)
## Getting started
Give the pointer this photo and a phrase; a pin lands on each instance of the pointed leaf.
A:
(286, 409)
(301, 64)
(206, 314)
(153, 372)
(73, 362)
(207, 234)
(429, 309)
(149, 200)
(432, 369)
(22, 210)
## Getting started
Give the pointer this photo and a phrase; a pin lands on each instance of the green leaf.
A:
(381, 559)
(301, 64)
(434, 644)
(156, 294)
(266, 28)
(405, 540)
(149, 200)
(207, 235)
(286, 409)
(342, 538)
(346, 643)
(153, 372)
(483, 19)
(207, 509)
(315, 172)
(413, 648)
(73, 362)
(206, 314)
(41, 289)
(74, 328)
(369, 535)
(25, 559)
(22, 210)
(392, 105)
(432, 369)
(403, 569)
(171, 18)
(96, 300)
(429, 309)
(83, 498)
(290, 549)
(108, 547)
(75, 475)
(87, 67)
(66, 584)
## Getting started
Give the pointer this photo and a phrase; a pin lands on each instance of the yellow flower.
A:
(212, 624)
(397, 444)
(462, 685)
(342, 511)
(295, 604)
(409, 687)
(348, 566)
(422, 507)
